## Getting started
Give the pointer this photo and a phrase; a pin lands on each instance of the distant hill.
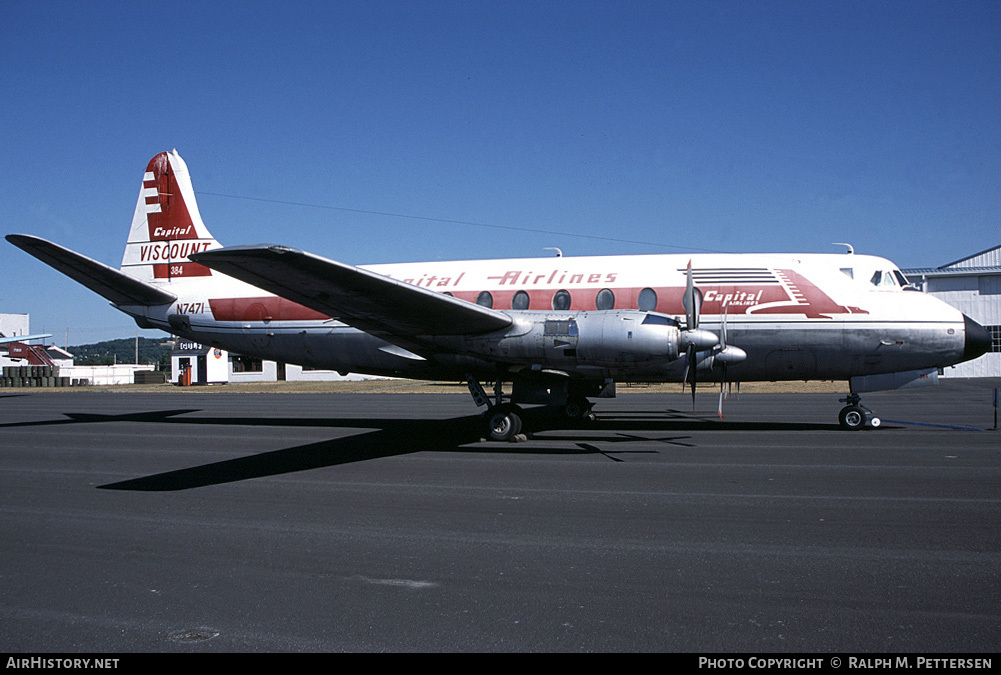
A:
(122, 351)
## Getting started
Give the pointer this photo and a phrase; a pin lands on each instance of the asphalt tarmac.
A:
(202, 522)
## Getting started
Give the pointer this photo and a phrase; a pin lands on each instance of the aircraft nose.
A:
(978, 340)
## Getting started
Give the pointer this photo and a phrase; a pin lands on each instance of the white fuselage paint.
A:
(797, 316)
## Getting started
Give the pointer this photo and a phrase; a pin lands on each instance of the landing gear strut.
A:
(855, 415)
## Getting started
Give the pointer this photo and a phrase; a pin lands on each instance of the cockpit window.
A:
(883, 279)
(901, 279)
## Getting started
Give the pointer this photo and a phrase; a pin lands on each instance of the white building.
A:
(12, 325)
(973, 286)
(29, 360)
(194, 363)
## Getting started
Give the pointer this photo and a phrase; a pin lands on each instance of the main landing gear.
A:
(504, 419)
(855, 415)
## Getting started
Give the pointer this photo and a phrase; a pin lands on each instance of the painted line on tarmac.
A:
(938, 426)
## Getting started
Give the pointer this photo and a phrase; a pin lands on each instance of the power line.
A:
(455, 222)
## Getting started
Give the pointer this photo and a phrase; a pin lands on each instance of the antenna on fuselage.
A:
(851, 249)
(559, 253)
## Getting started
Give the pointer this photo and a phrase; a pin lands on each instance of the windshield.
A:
(887, 279)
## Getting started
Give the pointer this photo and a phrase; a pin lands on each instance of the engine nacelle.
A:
(607, 338)
(705, 361)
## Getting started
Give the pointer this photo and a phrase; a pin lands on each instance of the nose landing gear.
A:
(855, 415)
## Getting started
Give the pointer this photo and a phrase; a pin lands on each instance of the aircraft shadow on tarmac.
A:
(395, 437)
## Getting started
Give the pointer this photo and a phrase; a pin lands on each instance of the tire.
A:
(852, 418)
(503, 422)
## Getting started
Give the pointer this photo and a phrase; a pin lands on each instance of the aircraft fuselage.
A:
(797, 318)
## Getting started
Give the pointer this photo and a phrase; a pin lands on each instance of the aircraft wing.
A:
(374, 303)
(107, 282)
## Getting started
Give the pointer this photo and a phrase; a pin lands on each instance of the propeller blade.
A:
(722, 386)
(722, 348)
(691, 300)
(690, 368)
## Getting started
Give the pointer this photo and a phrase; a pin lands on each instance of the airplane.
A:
(561, 330)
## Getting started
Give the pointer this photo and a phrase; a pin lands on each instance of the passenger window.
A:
(561, 300)
(605, 299)
(520, 300)
(485, 299)
(647, 300)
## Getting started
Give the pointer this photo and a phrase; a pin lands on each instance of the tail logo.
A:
(166, 225)
(166, 214)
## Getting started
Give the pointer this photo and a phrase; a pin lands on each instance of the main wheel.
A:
(852, 417)
(503, 422)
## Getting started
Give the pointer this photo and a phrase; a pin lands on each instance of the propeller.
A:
(726, 356)
(696, 340)
(692, 337)
(722, 346)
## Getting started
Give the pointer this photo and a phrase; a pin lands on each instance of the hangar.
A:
(973, 286)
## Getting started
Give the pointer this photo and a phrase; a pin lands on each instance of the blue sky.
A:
(597, 127)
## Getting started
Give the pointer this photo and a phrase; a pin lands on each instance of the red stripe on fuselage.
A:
(267, 308)
(734, 299)
(738, 299)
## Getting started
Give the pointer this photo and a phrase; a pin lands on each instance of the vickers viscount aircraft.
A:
(561, 330)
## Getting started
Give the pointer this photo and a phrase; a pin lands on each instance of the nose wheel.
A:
(855, 416)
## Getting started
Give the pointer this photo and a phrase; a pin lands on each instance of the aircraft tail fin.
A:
(166, 226)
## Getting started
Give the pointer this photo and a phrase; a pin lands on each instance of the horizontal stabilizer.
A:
(368, 301)
(24, 338)
(107, 282)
